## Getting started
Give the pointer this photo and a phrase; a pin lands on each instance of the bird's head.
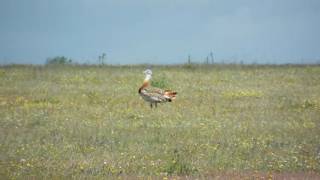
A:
(147, 72)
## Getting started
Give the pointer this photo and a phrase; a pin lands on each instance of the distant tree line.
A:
(59, 60)
(62, 60)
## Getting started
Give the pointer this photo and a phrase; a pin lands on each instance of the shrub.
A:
(59, 60)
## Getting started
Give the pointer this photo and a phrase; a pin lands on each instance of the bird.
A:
(154, 95)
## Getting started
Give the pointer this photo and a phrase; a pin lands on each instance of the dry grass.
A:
(89, 122)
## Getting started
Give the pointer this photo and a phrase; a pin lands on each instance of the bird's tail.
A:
(171, 95)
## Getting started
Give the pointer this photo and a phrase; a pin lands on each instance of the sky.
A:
(160, 31)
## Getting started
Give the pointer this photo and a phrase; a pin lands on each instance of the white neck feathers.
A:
(148, 77)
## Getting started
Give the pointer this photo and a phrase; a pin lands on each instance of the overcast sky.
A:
(160, 31)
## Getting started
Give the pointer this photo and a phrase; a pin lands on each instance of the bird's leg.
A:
(151, 105)
(156, 105)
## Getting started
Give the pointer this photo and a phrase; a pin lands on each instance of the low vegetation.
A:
(228, 120)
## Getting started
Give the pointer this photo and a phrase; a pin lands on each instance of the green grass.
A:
(89, 121)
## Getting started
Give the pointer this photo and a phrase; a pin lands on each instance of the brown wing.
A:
(161, 94)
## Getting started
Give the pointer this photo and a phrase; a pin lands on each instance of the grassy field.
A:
(228, 120)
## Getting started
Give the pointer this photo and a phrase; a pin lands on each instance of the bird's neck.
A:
(145, 82)
(147, 78)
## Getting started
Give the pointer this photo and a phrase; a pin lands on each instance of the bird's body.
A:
(154, 95)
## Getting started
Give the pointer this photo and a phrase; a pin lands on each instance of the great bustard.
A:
(154, 95)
